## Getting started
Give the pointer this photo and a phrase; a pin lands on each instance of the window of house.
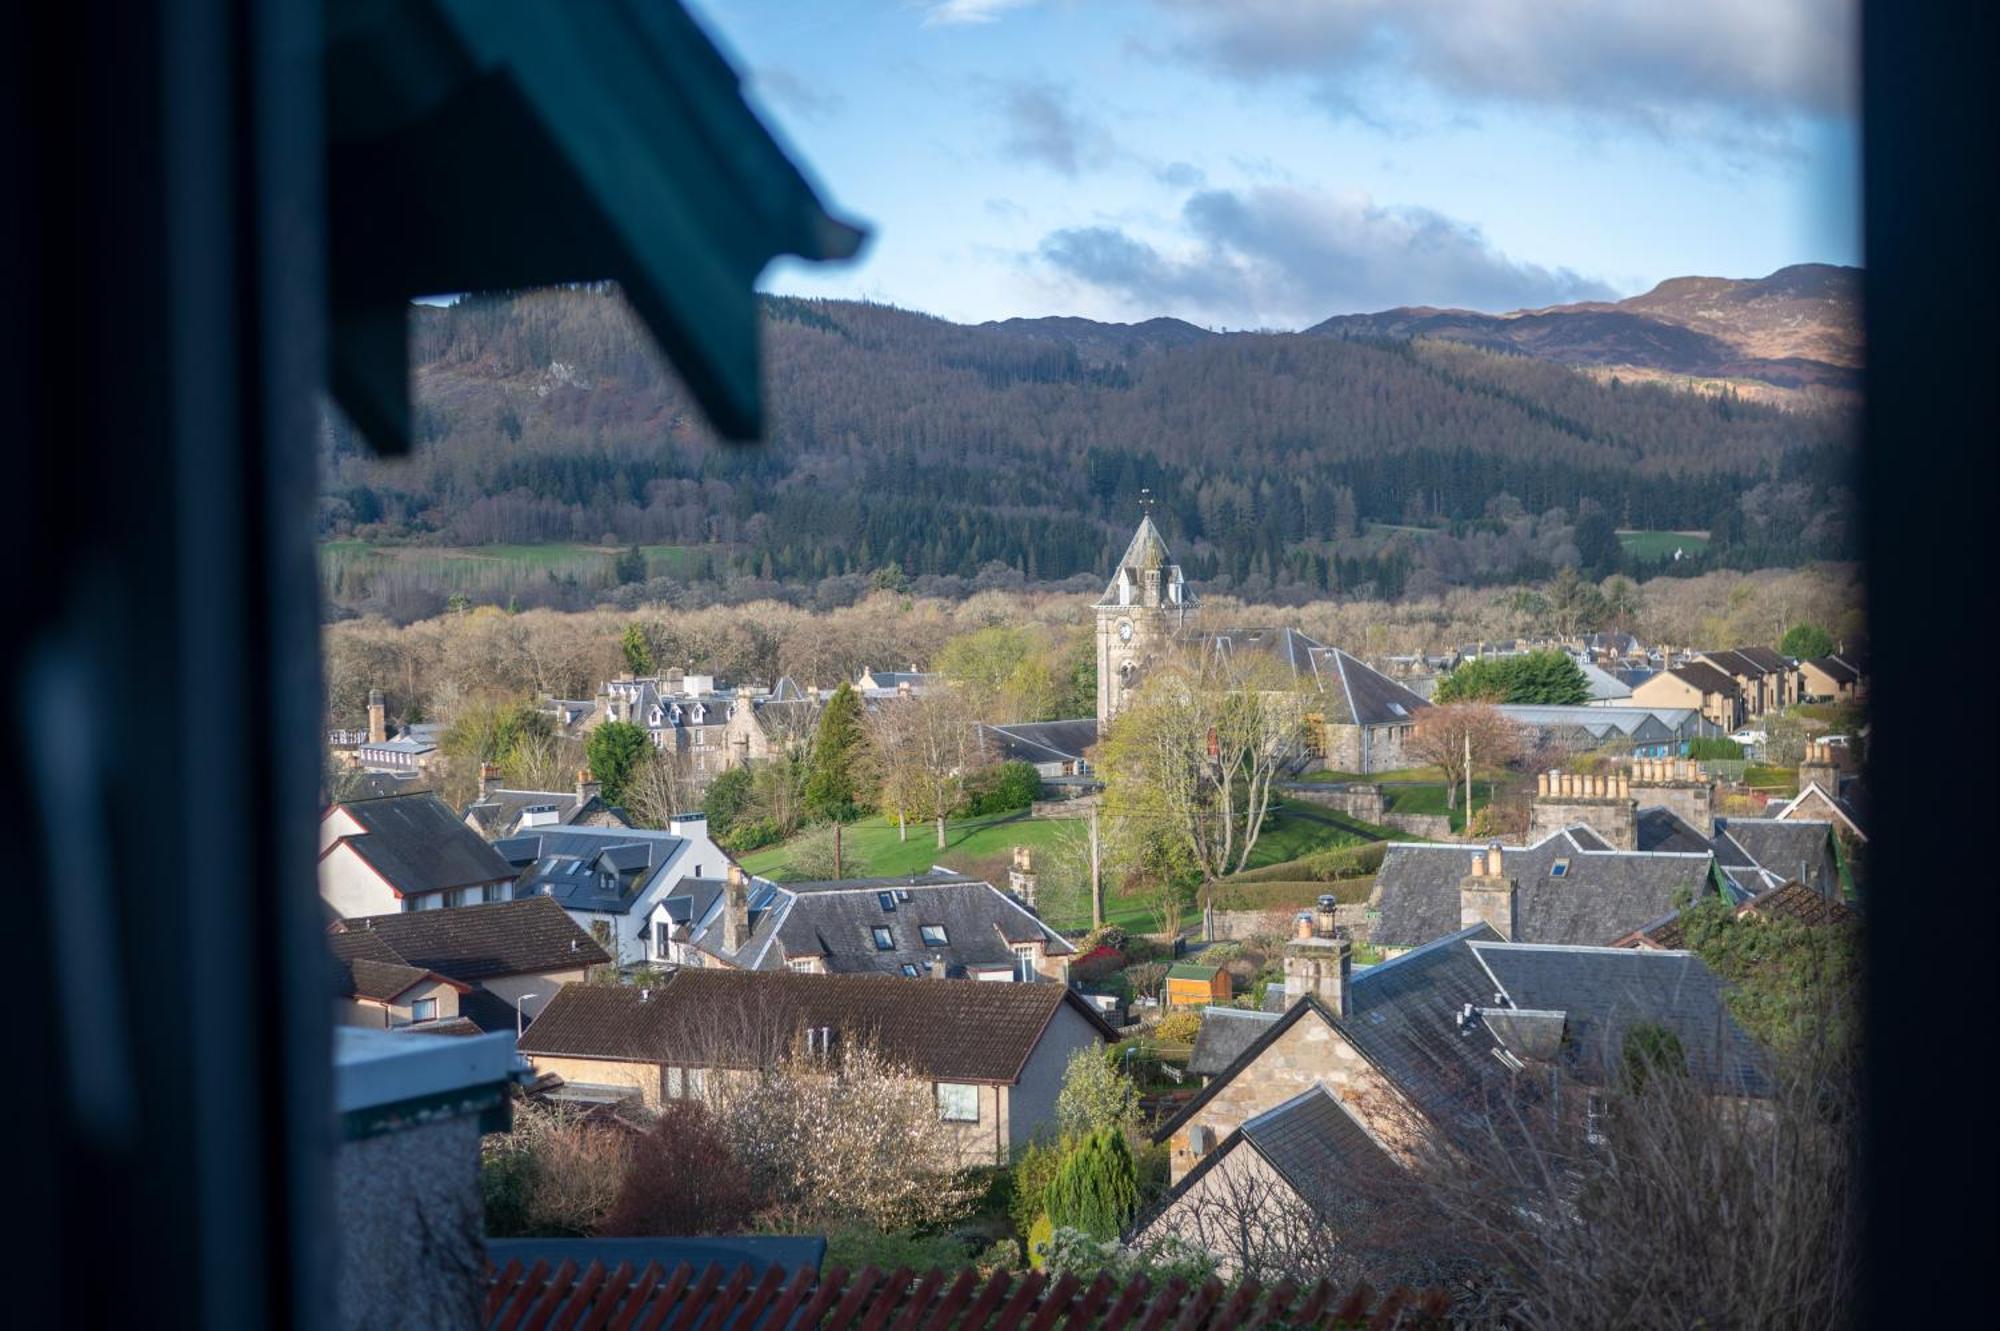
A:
(803, 965)
(601, 931)
(686, 1083)
(1560, 869)
(884, 940)
(933, 935)
(424, 1009)
(911, 969)
(1024, 963)
(661, 935)
(958, 1102)
(887, 900)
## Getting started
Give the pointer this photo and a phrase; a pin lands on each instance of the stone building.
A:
(1141, 614)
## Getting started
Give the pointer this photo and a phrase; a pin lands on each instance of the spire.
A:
(1147, 574)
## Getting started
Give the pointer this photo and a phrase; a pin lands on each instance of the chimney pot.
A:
(1303, 927)
(1493, 860)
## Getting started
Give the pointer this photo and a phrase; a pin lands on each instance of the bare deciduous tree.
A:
(664, 785)
(925, 746)
(1445, 734)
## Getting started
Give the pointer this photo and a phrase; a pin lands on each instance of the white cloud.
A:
(1671, 64)
(1281, 257)
(947, 13)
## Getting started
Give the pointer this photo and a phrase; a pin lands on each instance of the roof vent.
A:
(645, 995)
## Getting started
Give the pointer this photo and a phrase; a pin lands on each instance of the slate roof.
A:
(598, 869)
(1225, 1033)
(1354, 692)
(1041, 741)
(472, 943)
(1404, 1019)
(1705, 677)
(499, 812)
(1767, 659)
(1315, 1145)
(1603, 685)
(943, 1031)
(1601, 895)
(835, 921)
(418, 845)
(1788, 848)
(1734, 662)
(1661, 829)
(1604, 991)
(1837, 669)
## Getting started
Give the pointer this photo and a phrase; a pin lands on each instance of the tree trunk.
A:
(940, 827)
(902, 826)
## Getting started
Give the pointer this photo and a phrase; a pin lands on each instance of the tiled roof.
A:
(802, 1300)
(1771, 662)
(472, 943)
(836, 922)
(1041, 741)
(939, 1029)
(1404, 1019)
(1837, 669)
(1225, 1033)
(418, 845)
(1789, 901)
(1316, 1146)
(1603, 992)
(383, 980)
(1705, 677)
(1598, 896)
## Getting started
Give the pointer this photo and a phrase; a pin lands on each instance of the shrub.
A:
(1040, 1235)
(1096, 1188)
(1000, 1255)
(555, 1175)
(1032, 1172)
(1711, 747)
(1002, 788)
(1178, 1027)
(1095, 1096)
(682, 1178)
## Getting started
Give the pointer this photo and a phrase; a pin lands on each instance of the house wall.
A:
(543, 986)
(1222, 1213)
(1311, 1051)
(352, 888)
(642, 1077)
(1616, 820)
(1031, 1101)
(373, 1013)
(412, 1245)
(1693, 801)
(1367, 749)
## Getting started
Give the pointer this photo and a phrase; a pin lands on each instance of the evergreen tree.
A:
(631, 566)
(1096, 1188)
(638, 652)
(616, 749)
(1806, 642)
(839, 775)
(1597, 540)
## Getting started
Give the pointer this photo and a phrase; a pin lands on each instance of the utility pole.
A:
(1468, 783)
(1096, 878)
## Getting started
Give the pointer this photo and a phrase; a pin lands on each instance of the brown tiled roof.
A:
(803, 1300)
(1705, 677)
(949, 1030)
(383, 980)
(473, 943)
(1792, 901)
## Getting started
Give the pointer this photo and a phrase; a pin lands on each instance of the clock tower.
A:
(1142, 611)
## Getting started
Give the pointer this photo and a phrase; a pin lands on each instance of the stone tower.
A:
(1142, 610)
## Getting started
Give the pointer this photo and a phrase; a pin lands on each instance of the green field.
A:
(347, 568)
(1652, 545)
(984, 847)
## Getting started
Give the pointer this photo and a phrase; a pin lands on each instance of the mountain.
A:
(1799, 328)
(1276, 461)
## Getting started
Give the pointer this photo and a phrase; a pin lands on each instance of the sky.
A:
(1271, 163)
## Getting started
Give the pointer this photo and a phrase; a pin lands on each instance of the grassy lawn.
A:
(1651, 545)
(492, 567)
(1764, 777)
(1431, 799)
(984, 848)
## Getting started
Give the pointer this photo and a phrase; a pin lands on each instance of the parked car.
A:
(1750, 738)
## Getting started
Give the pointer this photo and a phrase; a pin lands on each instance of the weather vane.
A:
(1145, 501)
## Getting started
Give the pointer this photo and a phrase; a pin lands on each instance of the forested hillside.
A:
(1278, 461)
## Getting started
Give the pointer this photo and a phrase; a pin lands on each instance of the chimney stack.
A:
(937, 968)
(1487, 896)
(1322, 967)
(378, 717)
(489, 778)
(735, 910)
(588, 787)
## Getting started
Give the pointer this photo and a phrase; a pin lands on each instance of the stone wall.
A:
(1357, 799)
(1246, 924)
(1613, 819)
(408, 1216)
(1310, 1051)
(1365, 749)
(1430, 826)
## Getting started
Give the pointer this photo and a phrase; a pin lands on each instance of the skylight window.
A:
(884, 940)
(1560, 869)
(933, 935)
(910, 969)
(888, 900)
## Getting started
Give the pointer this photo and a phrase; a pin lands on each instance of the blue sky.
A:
(1269, 163)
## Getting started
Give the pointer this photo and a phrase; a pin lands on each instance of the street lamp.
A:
(520, 1024)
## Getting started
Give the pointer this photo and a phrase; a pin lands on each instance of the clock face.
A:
(1124, 630)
